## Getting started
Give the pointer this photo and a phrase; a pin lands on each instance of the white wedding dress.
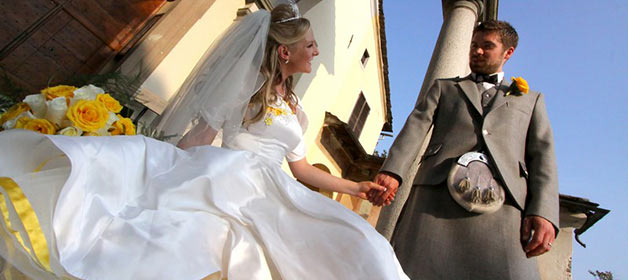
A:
(131, 207)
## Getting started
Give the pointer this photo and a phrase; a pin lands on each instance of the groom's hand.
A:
(379, 198)
(537, 235)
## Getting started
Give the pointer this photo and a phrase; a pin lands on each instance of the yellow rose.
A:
(13, 112)
(53, 92)
(110, 103)
(123, 126)
(116, 128)
(21, 122)
(70, 131)
(522, 84)
(38, 125)
(129, 127)
(88, 115)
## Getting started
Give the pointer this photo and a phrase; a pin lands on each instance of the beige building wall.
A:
(344, 30)
(556, 264)
(174, 69)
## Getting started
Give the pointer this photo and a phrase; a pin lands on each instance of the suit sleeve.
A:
(541, 161)
(406, 146)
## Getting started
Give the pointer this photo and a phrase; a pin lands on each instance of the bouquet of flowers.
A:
(71, 111)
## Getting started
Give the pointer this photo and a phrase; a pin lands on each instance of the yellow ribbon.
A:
(41, 165)
(34, 240)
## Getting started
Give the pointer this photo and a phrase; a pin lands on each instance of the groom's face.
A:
(487, 54)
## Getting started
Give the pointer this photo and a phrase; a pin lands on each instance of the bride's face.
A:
(302, 54)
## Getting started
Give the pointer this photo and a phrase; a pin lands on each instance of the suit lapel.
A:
(470, 89)
(500, 96)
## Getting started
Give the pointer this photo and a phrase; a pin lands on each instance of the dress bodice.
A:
(277, 135)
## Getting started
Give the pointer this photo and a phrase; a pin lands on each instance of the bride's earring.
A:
(282, 51)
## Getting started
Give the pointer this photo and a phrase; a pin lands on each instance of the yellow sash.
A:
(29, 233)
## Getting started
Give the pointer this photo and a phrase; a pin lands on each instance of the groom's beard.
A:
(483, 66)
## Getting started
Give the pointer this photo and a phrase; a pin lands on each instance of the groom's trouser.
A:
(435, 238)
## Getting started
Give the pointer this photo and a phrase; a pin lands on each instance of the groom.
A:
(436, 238)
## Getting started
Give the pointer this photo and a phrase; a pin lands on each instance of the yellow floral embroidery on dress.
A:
(276, 111)
(268, 121)
(273, 111)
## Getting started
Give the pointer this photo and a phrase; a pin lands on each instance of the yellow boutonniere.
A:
(519, 85)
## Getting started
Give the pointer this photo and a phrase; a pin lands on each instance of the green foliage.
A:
(382, 154)
(601, 275)
(10, 93)
(6, 102)
(149, 131)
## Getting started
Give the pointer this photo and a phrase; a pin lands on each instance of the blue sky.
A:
(575, 53)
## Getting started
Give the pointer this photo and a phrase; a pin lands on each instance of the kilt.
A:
(435, 238)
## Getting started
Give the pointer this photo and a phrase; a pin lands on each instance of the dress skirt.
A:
(131, 207)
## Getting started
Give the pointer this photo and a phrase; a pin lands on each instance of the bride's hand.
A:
(363, 188)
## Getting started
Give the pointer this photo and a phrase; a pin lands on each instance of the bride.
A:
(131, 207)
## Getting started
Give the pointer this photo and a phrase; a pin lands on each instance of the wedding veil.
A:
(219, 88)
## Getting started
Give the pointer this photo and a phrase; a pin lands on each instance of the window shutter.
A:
(358, 115)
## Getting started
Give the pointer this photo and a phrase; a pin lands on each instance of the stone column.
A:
(450, 59)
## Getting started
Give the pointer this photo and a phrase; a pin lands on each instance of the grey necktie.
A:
(487, 96)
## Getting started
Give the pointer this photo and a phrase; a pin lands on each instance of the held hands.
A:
(364, 188)
(543, 235)
(385, 197)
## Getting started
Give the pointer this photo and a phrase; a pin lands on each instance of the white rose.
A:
(56, 110)
(88, 92)
(100, 132)
(70, 131)
(112, 118)
(37, 103)
(66, 122)
(104, 131)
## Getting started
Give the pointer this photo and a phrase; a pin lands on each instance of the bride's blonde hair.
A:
(286, 30)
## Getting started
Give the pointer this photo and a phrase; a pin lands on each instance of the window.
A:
(365, 57)
(358, 115)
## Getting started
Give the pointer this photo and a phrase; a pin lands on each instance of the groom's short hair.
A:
(507, 33)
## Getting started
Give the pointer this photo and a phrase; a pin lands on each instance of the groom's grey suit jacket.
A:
(516, 132)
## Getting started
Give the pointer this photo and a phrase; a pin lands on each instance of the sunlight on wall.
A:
(174, 69)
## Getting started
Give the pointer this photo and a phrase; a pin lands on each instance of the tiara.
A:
(295, 10)
(288, 19)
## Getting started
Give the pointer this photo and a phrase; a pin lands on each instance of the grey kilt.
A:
(435, 238)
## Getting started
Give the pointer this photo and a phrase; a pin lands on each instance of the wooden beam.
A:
(151, 100)
(7, 49)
